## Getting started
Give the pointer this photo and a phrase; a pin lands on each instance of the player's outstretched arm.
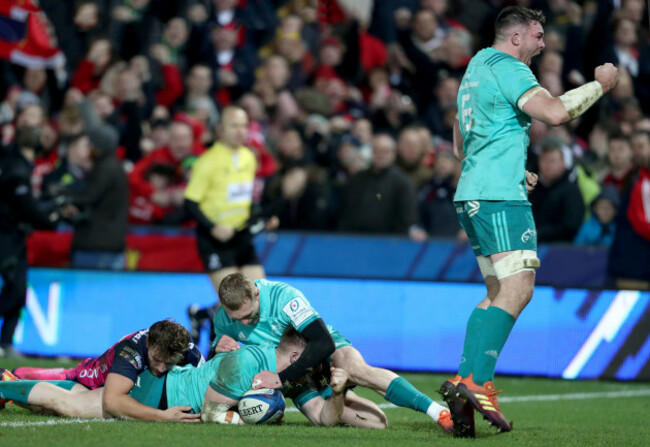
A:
(539, 104)
(217, 409)
(116, 402)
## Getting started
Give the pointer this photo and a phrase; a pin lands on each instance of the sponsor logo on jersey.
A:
(298, 310)
(240, 192)
(89, 373)
(529, 235)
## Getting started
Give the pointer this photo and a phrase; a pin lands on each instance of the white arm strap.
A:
(578, 100)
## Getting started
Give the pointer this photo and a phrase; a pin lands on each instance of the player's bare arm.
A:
(539, 104)
(116, 402)
(217, 409)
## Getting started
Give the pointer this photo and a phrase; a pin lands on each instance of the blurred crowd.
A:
(351, 106)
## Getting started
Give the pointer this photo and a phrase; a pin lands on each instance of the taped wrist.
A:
(578, 100)
(218, 413)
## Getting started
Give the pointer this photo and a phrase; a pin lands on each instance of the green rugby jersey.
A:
(229, 373)
(495, 130)
(280, 306)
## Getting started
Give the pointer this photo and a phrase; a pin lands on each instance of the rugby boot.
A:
(6, 376)
(445, 422)
(484, 400)
(462, 413)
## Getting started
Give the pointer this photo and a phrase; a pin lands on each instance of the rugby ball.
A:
(263, 406)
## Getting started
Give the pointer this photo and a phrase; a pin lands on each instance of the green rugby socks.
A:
(401, 393)
(472, 339)
(497, 325)
(18, 390)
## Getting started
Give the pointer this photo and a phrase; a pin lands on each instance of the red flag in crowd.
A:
(26, 35)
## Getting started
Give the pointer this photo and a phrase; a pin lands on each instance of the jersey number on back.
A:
(466, 112)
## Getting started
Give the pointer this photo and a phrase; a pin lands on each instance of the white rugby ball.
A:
(262, 406)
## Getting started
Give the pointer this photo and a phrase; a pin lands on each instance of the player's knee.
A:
(382, 421)
(516, 262)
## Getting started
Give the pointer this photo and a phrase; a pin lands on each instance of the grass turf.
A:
(599, 414)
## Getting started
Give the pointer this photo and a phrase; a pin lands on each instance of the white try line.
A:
(552, 397)
(642, 392)
(57, 421)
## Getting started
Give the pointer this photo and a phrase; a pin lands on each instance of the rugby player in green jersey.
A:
(497, 98)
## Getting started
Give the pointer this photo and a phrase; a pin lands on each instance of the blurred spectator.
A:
(619, 156)
(134, 25)
(99, 241)
(556, 202)
(435, 114)
(436, 198)
(48, 159)
(197, 98)
(44, 85)
(71, 172)
(380, 199)
(272, 87)
(78, 29)
(362, 130)
(298, 193)
(175, 39)
(157, 182)
(411, 154)
(91, 69)
(232, 65)
(599, 229)
(629, 256)
(623, 51)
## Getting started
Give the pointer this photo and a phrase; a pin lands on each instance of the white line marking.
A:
(551, 397)
(512, 399)
(58, 421)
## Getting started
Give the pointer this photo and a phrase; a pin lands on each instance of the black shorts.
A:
(237, 252)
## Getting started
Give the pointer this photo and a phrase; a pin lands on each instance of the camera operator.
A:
(19, 214)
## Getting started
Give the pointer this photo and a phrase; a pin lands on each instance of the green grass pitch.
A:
(545, 413)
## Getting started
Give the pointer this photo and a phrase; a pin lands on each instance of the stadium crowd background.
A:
(145, 81)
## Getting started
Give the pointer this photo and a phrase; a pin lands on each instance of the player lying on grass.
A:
(256, 312)
(213, 388)
(157, 349)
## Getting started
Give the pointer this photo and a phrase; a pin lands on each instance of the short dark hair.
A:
(640, 132)
(170, 338)
(516, 15)
(234, 290)
(617, 135)
(291, 338)
(71, 140)
(552, 144)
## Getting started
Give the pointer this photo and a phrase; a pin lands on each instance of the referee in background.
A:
(219, 197)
